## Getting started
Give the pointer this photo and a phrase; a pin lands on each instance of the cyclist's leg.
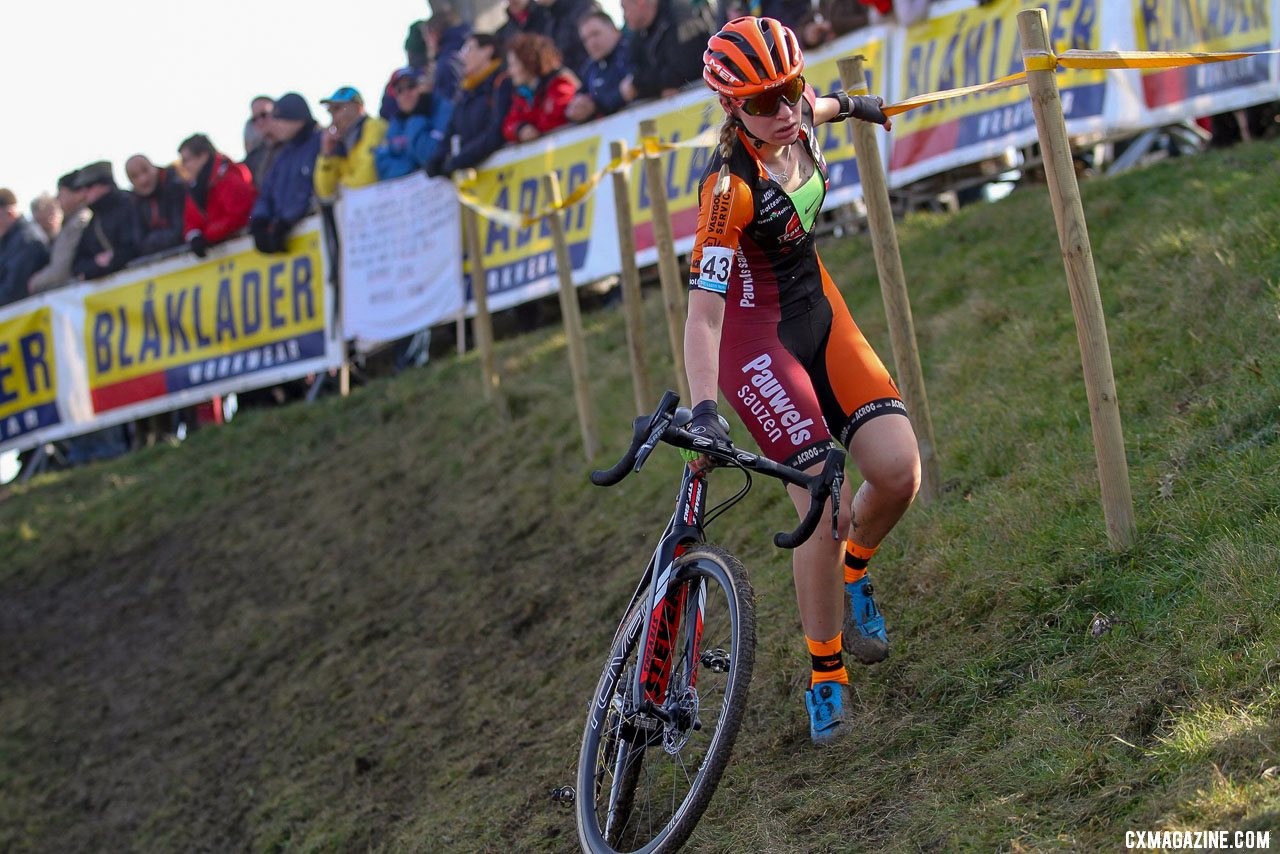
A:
(885, 452)
(817, 566)
(861, 401)
(774, 396)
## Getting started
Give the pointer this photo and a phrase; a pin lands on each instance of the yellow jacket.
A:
(356, 168)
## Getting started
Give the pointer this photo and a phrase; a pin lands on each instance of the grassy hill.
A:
(373, 623)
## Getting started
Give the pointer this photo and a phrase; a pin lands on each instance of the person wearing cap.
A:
(416, 130)
(111, 240)
(159, 196)
(62, 251)
(438, 41)
(287, 189)
(346, 146)
(22, 249)
(222, 194)
(483, 100)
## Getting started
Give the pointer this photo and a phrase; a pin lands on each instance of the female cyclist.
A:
(767, 324)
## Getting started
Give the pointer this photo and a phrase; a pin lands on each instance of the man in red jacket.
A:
(222, 194)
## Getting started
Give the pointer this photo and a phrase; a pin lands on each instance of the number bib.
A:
(713, 275)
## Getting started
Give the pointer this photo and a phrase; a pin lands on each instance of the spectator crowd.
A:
(461, 96)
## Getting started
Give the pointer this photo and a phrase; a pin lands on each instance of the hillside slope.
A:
(373, 623)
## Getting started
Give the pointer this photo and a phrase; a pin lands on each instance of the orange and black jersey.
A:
(757, 222)
(792, 363)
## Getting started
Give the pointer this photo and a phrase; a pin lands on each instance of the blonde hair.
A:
(728, 136)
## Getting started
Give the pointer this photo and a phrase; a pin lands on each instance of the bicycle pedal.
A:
(564, 796)
(715, 660)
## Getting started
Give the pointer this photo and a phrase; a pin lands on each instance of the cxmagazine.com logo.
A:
(1198, 840)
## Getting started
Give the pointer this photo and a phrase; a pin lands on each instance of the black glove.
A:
(260, 228)
(868, 108)
(198, 244)
(707, 422)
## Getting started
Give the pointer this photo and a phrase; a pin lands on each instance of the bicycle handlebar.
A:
(647, 431)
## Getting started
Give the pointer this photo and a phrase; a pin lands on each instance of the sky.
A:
(106, 80)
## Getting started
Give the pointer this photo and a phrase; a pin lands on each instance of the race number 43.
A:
(713, 275)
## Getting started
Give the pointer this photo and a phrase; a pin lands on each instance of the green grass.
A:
(373, 623)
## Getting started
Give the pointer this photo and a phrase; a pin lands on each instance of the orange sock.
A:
(856, 558)
(828, 661)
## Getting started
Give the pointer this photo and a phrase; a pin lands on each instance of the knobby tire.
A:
(641, 821)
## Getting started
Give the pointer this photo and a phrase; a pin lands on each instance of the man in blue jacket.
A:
(287, 188)
(606, 67)
(22, 249)
(484, 98)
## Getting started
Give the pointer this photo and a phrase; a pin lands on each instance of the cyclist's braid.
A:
(728, 136)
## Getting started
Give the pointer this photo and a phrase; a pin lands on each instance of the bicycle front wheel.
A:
(645, 776)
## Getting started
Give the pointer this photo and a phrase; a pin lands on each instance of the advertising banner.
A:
(28, 374)
(401, 258)
(195, 327)
(163, 336)
(1202, 26)
(979, 45)
(520, 263)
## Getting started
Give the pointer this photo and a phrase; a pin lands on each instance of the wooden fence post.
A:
(893, 282)
(483, 323)
(1082, 281)
(673, 284)
(572, 318)
(632, 303)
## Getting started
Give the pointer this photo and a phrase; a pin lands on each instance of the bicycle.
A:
(667, 709)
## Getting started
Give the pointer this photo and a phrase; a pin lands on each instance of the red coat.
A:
(229, 199)
(546, 111)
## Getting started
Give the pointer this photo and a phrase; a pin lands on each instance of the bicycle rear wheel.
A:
(643, 782)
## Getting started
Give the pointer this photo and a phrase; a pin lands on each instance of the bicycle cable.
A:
(718, 510)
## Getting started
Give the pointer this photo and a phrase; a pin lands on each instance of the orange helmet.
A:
(750, 55)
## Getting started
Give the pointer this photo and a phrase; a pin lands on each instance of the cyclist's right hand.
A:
(707, 422)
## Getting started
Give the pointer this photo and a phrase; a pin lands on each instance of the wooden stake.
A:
(673, 284)
(572, 319)
(632, 303)
(483, 323)
(893, 283)
(1082, 282)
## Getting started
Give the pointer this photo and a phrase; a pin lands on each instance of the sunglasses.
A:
(257, 117)
(768, 102)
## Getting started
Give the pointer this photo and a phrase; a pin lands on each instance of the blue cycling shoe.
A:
(825, 704)
(864, 635)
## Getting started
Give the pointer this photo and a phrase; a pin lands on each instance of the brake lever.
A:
(655, 435)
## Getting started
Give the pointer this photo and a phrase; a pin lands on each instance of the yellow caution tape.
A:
(933, 97)
(1074, 59)
(1146, 58)
(652, 146)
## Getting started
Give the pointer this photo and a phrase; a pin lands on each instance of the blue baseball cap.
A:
(344, 95)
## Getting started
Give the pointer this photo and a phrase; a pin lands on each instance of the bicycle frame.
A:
(649, 682)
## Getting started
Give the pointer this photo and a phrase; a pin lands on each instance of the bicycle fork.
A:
(669, 609)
